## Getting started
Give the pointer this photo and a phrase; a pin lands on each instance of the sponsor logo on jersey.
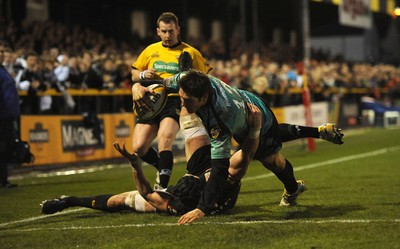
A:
(215, 131)
(171, 67)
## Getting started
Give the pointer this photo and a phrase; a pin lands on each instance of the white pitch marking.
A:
(68, 172)
(360, 221)
(40, 217)
(309, 166)
(333, 161)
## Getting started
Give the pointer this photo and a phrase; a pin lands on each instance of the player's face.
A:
(192, 104)
(168, 32)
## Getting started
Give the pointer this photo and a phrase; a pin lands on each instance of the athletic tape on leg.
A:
(191, 126)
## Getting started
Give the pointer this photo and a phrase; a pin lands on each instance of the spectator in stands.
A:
(9, 62)
(49, 38)
(9, 115)
(110, 74)
(62, 70)
(75, 75)
(259, 88)
(29, 79)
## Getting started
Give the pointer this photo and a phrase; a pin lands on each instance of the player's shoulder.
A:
(154, 46)
(189, 48)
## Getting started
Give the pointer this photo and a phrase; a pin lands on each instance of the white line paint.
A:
(333, 161)
(68, 172)
(304, 167)
(40, 217)
(361, 221)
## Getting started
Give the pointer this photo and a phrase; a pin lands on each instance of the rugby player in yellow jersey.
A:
(159, 61)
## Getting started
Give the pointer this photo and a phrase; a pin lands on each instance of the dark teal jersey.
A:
(225, 115)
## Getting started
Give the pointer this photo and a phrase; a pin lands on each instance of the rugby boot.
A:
(54, 205)
(330, 133)
(290, 199)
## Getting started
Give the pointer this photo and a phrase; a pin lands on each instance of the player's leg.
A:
(328, 131)
(268, 154)
(143, 136)
(283, 169)
(238, 165)
(109, 203)
(130, 200)
(168, 128)
(167, 131)
(193, 131)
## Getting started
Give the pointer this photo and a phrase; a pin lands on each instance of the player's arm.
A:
(240, 161)
(141, 67)
(147, 74)
(142, 185)
(211, 192)
(236, 165)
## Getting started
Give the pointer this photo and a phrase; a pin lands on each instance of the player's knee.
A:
(275, 162)
(140, 150)
(115, 201)
(135, 201)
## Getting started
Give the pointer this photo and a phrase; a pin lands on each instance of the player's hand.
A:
(139, 91)
(191, 216)
(140, 100)
(254, 118)
(132, 157)
(150, 73)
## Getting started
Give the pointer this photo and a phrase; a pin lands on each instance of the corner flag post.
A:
(306, 91)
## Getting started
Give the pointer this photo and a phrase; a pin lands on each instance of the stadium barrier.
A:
(63, 138)
(124, 91)
(60, 139)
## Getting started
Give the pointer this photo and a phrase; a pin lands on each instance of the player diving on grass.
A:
(178, 199)
(185, 195)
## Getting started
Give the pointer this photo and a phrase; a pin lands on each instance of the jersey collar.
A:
(173, 46)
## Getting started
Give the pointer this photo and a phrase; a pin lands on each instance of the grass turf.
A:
(351, 202)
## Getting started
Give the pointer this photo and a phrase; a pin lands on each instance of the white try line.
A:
(304, 167)
(333, 161)
(349, 221)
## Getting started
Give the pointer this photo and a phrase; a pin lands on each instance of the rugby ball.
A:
(156, 102)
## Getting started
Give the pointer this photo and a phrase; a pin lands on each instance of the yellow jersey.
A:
(165, 59)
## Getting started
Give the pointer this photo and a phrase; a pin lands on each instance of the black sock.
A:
(289, 132)
(94, 202)
(151, 157)
(165, 167)
(287, 178)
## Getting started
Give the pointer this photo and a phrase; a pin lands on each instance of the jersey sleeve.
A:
(220, 145)
(142, 62)
(172, 83)
(200, 63)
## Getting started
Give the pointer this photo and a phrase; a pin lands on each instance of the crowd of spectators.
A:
(51, 55)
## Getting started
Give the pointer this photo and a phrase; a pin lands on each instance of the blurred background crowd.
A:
(50, 55)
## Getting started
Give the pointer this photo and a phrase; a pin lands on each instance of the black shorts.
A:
(270, 143)
(200, 161)
(172, 109)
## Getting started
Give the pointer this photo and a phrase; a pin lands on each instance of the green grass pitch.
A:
(352, 201)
